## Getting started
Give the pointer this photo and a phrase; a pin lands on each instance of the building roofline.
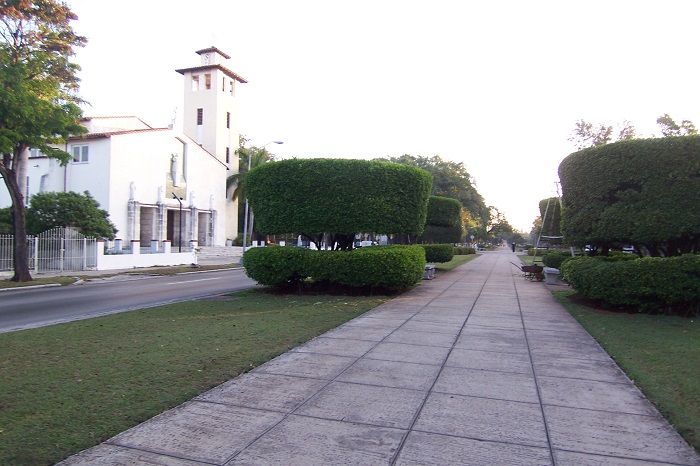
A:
(225, 70)
(213, 49)
(108, 134)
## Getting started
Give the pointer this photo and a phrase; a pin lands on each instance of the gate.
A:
(64, 249)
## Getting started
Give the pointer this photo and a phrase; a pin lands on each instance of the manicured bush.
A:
(276, 266)
(651, 284)
(438, 252)
(463, 251)
(433, 234)
(338, 196)
(443, 212)
(642, 192)
(385, 267)
(555, 258)
(390, 267)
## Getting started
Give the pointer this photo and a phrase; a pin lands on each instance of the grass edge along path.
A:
(661, 354)
(65, 388)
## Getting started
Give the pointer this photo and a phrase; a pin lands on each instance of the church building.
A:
(158, 183)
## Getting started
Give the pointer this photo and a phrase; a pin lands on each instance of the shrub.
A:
(276, 267)
(463, 251)
(554, 259)
(637, 192)
(649, 284)
(443, 212)
(438, 252)
(338, 196)
(442, 234)
(387, 267)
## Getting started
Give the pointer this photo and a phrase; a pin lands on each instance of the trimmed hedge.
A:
(389, 267)
(554, 259)
(438, 252)
(338, 196)
(642, 192)
(650, 284)
(442, 234)
(443, 212)
(464, 251)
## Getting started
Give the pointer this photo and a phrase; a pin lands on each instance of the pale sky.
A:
(495, 85)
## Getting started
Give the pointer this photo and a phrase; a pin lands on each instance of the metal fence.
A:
(56, 250)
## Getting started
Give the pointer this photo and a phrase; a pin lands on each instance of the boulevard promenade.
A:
(478, 366)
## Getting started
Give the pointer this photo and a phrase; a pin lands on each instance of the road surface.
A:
(36, 307)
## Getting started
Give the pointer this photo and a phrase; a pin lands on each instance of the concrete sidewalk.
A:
(476, 367)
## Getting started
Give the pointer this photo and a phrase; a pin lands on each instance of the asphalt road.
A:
(22, 309)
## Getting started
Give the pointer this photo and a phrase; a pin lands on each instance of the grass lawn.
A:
(661, 354)
(67, 387)
(454, 263)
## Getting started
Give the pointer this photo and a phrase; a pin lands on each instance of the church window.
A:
(223, 84)
(195, 82)
(228, 155)
(200, 116)
(80, 154)
(228, 119)
(207, 80)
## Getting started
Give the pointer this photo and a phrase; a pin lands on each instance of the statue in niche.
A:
(174, 170)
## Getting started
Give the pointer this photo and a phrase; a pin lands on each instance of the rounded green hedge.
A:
(313, 196)
(438, 252)
(650, 284)
(554, 259)
(389, 267)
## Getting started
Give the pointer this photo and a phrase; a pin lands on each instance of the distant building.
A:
(136, 172)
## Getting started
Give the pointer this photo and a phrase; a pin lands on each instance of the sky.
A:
(497, 86)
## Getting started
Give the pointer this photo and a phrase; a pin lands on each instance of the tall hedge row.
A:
(649, 284)
(444, 221)
(388, 267)
(644, 192)
(313, 196)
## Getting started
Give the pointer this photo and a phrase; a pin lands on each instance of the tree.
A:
(643, 192)
(235, 184)
(498, 228)
(338, 197)
(38, 98)
(450, 179)
(670, 128)
(6, 221)
(444, 221)
(80, 211)
(587, 134)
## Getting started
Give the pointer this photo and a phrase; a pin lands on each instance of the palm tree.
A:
(235, 184)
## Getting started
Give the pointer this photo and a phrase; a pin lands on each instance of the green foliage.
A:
(58, 209)
(276, 266)
(450, 179)
(313, 196)
(443, 211)
(387, 267)
(6, 221)
(438, 252)
(442, 234)
(463, 251)
(555, 258)
(643, 192)
(444, 221)
(670, 128)
(650, 284)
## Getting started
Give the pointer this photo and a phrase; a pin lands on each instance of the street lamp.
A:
(245, 220)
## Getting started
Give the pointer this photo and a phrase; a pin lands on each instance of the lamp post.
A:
(179, 241)
(245, 219)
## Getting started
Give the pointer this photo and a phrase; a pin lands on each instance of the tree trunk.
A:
(20, 251)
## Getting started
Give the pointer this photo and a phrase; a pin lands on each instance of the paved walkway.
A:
(479, 366)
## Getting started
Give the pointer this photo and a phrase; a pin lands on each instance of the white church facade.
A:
(158, 183)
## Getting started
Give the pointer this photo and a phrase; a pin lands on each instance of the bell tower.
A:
(210, 114)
